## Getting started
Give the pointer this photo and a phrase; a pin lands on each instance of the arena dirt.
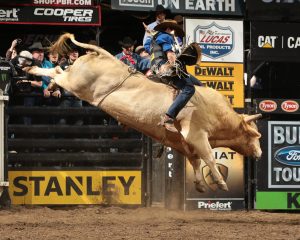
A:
(98, 222)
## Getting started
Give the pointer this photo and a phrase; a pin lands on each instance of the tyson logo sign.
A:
(267, 106)
(289, 106)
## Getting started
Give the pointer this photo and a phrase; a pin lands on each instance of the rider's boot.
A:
(169, 124)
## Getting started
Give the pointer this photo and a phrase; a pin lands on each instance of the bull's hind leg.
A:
(199, 183)
(195, 162)
(204, 151)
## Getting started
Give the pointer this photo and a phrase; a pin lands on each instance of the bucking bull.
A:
(208, 121)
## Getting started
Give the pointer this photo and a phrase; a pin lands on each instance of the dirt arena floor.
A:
(144, 223)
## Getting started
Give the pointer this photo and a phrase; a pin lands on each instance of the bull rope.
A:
(131, 71)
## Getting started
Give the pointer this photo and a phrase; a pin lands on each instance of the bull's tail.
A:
(61, 46)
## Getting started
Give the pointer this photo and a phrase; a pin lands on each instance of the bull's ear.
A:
(250, 130)
(253, 132)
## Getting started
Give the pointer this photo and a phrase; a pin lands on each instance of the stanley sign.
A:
(75, 187)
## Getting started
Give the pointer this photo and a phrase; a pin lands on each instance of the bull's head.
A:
(249, 139)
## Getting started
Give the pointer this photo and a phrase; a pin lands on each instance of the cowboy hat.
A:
(169, 23)
(36, 46)
(179, 19)
(127, 42)
(139, 49)
(190, 55)
(160, 8)
(25, 58)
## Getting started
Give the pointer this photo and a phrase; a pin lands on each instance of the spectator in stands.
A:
(27, 84)
(51, 62)
(38, 53)
(69, 100)
(130, 58)
(160, 14)
(12, 51)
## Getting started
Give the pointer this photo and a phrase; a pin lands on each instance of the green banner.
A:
(278, 200)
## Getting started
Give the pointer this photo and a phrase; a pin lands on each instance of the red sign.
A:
(289, 106)
(49, 15)
(267, 106)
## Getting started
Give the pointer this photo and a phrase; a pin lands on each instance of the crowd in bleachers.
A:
(34, 89)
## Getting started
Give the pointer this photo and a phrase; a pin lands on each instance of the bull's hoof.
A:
(52, 86)
(200, 187)
(223, 186)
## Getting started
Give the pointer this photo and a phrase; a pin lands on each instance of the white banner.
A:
(220, 40)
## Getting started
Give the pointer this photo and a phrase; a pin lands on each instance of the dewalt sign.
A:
(75, 187)
(226, 78)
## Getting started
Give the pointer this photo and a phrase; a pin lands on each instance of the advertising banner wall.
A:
(278, 42)
(278, 171)
(50, 15)
(207, 7)
(273, 10)
(221, 68)
(231, 166)
(75, 187)
(222, 63)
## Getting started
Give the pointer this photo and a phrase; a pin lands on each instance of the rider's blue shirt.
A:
(165, 40)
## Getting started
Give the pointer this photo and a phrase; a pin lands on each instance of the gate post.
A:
(175, 161)
(249, 163)
(4, 195)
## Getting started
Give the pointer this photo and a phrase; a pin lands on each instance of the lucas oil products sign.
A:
(278, 42)
(220, 40)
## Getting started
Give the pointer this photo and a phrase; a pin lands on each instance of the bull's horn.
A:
(251, 118)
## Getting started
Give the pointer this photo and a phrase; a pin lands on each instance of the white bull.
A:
(208, 120)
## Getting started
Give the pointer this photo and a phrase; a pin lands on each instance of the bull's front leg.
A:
(199, 182)
(204, 151)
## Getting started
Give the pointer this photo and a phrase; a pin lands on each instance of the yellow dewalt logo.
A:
(214, 71)
(224, 77)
